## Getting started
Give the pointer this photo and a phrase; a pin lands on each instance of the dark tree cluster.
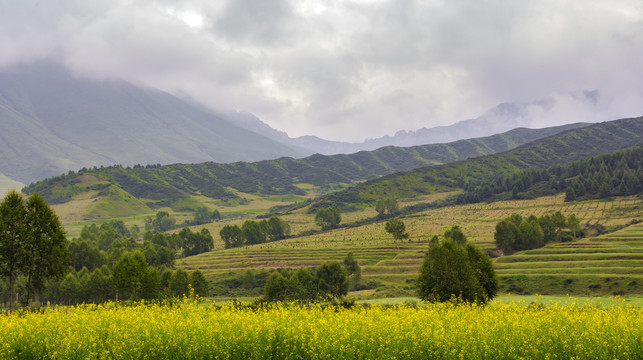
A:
(620, 173)
(326, 282)
(387, 208)
(202, 215)
(33, 246)
(254, 232)
(328, 218)
(456, 271)
(516, 233)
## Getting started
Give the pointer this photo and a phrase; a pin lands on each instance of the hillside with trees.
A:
(560, 149)
(158, 185)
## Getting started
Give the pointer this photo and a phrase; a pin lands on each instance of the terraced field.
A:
(610, 264)
(395, 265)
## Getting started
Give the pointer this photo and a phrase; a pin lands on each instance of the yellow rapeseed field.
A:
(191, 331)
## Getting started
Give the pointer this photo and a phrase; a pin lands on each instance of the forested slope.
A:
(274, 177)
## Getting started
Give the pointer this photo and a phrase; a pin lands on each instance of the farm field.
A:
(438, 331)
(394, 266)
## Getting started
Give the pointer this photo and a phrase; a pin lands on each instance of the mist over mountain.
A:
(52, 122)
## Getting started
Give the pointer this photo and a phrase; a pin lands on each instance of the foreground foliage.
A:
(442, 331)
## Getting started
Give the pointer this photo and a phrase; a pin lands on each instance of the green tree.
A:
(328, 218)
(131, 275)
(456, 234)
(573, 223)
(163, 222)
(332, 280)
(232, 236)
(277, 228)
(352, 269)
(12, 238)
(252, 232)
(386, 208)
(396, 228)
(196, 242)
(505, 236)
(560, 222)
(179, 283)
(199, 283)
(450, 270)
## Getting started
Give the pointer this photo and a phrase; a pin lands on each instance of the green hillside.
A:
(160, 186)
(610, 264)
(558, 149)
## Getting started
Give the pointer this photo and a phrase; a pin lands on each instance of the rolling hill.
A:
(561, 148)
(168, 185)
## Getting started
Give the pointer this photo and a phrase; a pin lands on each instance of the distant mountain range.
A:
(52, 121)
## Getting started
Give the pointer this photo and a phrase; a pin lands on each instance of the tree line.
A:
(516, 233)
(254, 232)
(615, 174)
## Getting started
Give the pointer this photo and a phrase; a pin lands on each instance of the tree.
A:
(252, 232)
(352, 269)
(232, 236)
(131, 275)
(573, 222)
(396, 228)
(450, 270)
(386, 208)
(332, 280)
(199, 283)
(32, 244)
(505, 236)
(456, 234)
(196, 242)
(277, 228)
(179, 283)
(163, 222)
(328, 218)
(12, 217)
(559, 223)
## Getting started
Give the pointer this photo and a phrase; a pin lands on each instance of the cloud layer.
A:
(349, 70)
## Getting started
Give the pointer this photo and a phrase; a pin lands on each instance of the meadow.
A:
(394, 266)
(439, 331)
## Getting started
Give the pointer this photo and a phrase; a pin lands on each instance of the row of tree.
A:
(328, 281)
(620, 173)
(254, 232)
(516, 233)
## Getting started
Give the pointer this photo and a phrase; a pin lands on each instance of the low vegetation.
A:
(440, 331)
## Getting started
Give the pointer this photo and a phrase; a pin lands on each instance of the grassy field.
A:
(443, 331)
(394, 266)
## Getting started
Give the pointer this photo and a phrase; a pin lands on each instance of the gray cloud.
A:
(350, 70)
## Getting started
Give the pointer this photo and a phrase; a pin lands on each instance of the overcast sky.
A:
(349, 70)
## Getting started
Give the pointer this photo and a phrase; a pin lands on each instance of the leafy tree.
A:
(450, 270)
(131, 276)
(573, 222)
(179, 283)
(163, 222)
(232, 236)
(12, 238)
(505, 236)
(252, 232)
(352, 269)
(199, 283)
(196, 242)
(277, 228)
(559, 223)
(32, 244)
(332, 280)
(386, 208)
(456, 234)
(279, 287)
(328, 218)
(396, 228)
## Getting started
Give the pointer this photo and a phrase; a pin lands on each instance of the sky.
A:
(349, 70)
